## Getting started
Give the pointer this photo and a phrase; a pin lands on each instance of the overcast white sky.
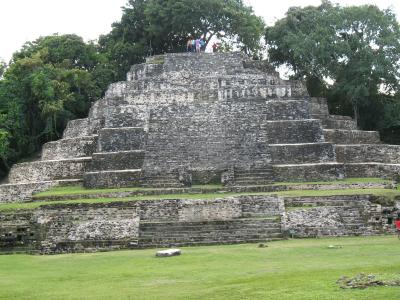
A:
(26, 20)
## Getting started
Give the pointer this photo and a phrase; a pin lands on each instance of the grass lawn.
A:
(80, 190)
(293, 269)
(388, 193)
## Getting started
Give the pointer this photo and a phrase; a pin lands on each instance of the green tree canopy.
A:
(2, 67)
(158, 26)
(48, 82)
(355, 49)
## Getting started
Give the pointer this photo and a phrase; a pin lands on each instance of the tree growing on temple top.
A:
(158, 26)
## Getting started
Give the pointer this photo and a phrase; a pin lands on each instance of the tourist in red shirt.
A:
(397, 224)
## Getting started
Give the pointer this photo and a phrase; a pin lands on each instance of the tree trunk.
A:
(355, 111)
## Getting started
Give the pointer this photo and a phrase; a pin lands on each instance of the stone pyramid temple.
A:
(188, 119)
(182, 118)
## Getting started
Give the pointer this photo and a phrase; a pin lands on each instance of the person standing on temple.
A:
(197, 43)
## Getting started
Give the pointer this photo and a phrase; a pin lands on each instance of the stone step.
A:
(49, 170)
(302, 153)
(126, 116)
(372, 169)
(343, 136)
(339, 117)
(70, 148)
(332, 123)
(23, 192)
(123, 160)
(292, 132)
(309, 172)
(77, 128)
(113, 178)
(121, 139)
(202, 230)
(379, 153)
(319, 107)
(242, 240)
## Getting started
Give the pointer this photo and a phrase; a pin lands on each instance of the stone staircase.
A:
(168, 234)
(253, 176)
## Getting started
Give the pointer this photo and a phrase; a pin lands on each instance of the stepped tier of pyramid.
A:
(190, 118)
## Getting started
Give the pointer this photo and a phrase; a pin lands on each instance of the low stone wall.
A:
(332, 216)
(11, 193)
(70, 228)
(63, 228)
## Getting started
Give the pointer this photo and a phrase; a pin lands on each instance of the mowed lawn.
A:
(292, 269)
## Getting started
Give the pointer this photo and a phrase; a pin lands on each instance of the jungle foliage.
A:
(351, 55)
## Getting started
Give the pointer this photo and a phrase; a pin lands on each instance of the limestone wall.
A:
(368, 153)
(89, 227)
(333, 216)
(48, 170)
(69, 148)
(63, 228)
(10, 193)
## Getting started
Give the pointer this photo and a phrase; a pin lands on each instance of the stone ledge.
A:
(302, 153)
(343, 136)
(309, 172)
(113, 178)
(47, 170)
(377, 153)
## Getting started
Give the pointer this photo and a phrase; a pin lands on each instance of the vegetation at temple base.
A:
(291, 269)
(351, 55)
(48, 82)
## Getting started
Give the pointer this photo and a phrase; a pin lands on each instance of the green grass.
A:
(294, 269)
(80, 190)
(388, 193)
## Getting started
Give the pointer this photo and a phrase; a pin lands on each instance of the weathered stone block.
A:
(121, 139)
(292, 132)
(343, 136)
(77, 128)
(309, 172)
(69, 148)
(371, 169)
(368, 153)
(110, 179)
(124, 160)
(302, 153)
(47, 170)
